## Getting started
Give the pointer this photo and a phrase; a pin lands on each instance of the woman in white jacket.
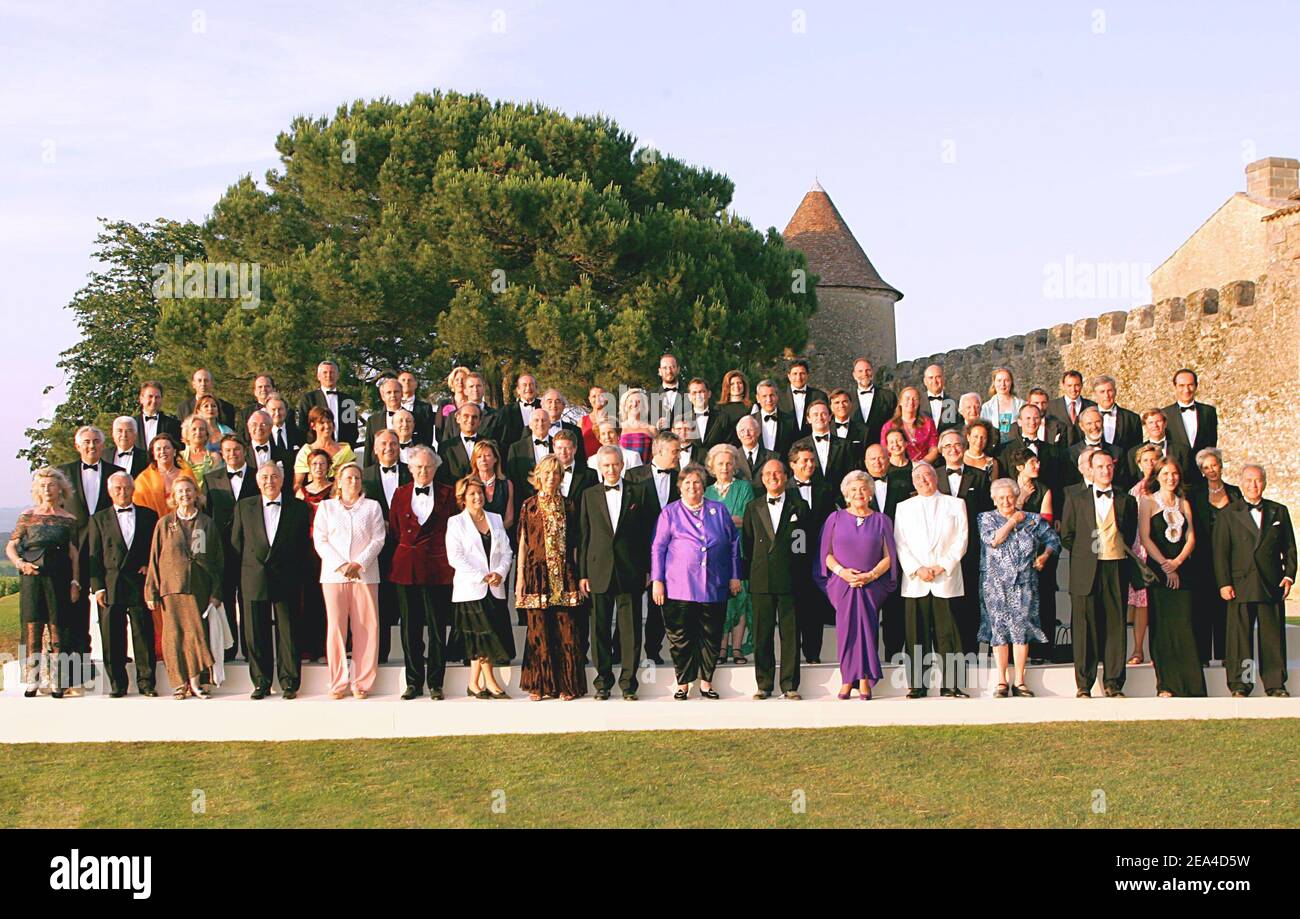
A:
(479, 551)
(349, 533)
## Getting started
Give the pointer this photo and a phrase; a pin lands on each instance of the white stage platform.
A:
(231, 715)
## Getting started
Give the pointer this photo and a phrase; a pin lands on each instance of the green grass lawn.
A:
(1152, 774)
(9, 624)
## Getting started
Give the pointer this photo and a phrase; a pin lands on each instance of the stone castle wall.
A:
(1242, 340)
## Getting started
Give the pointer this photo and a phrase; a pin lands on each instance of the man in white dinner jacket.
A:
(931, 533)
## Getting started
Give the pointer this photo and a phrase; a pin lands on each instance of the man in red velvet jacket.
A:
(420, 573)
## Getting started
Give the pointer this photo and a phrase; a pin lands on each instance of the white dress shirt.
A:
(954, 481)
(540, 450)
(614, 501)
(1190, 420)
(769, 429)
(526, 413)
(279, 436)
(662, 486)
(332, 403)
(881, 488)
(774, 510)
(388, 480)
(798, 398)
(1103, 505)
(126, 524)
(90, 485)
(150, 427)
(123, 460)
(823, 448)
(936, 408)
(261, 453)
(1257, 515)
(701, 424)
(1108, 418)
(865, 399)
(422, 505)
(271, 518)
(805, 491)
(567, 481)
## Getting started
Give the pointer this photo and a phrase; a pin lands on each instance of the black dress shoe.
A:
(681, 695)
(659, 661)
(290, 694)
(1083, 694)
(29, 693)
(629, 697)
(116, 694)
(435, 695)
(1239, 694)
(957, 694)
(916, 693)
(149, 693)
(762, 694)
(1279, 694)
(1115, 694)
(410, 693)
(258, 693)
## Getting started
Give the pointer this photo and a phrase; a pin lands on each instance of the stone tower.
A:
(855, 313)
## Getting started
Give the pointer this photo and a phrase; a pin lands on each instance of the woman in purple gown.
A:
(857, 567)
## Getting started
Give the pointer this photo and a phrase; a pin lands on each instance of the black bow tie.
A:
(540, 443)
(407, 445)
(236, 474)
(392, 412)
(90, 465)
(150, 417)
(773, 500)
(878, 478)
(701, 414)
(422, 489)
(670, 389)
(799, 392)
(958, 471)
(938, 398)
(125, 510)
(272, 503)
(387, 470)
(568, 470)
(821, 437)
(331, 392)
(613, 487)
(1103, 494)
(1255, 507)
(769, 418)
(1187, 408)
(1108, 411)
(469, 437)
(866, 392)
(1031, 442)
(799, 484)
(124, 456)
(663, 471)
(261, 447)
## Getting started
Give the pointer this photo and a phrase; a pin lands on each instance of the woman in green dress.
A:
(722, 462)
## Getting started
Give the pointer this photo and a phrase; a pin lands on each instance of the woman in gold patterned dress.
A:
(547, 588)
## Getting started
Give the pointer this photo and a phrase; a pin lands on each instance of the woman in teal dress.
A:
(722, 462)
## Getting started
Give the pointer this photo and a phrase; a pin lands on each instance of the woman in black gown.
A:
(1165, 528)
(1209, 610)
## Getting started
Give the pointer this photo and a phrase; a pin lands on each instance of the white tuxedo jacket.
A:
(465, 554)
(931, 531)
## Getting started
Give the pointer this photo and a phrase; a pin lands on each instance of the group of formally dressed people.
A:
(922, 526)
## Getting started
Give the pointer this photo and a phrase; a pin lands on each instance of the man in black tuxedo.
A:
(553, 406)
(1120, 426)
(847, 429)
(667, 401)
(420, 409)
(1099, 522)
(228, 484)
(286, 438)
(833, 458)
(692, 450)
(514, 417)
(937, 403)
(1091, 438)
(475, 387)
(263, 389)
(89, 477)
(874, 405)
(798, 396)
(1069, 406)
(887, 491)
(1051, 430)
(384, 418)
(151, 419)
(1053, 461)
(1154, 429)
(614, 569)
(812, 610)
(972, 486)
(709, 427)
(201, 383)
(1255, 566)
(577, 478)
(777, 545)
(778, 430)
(270, 534)
(455, 451)
(659, 478)
(379, 482)
(259, 448)
(525, 453)
(342, 405)
(752, 452)
(1191, 424)
(127, 453)
(119, 538)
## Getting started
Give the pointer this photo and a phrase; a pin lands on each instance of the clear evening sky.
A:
(974, 148)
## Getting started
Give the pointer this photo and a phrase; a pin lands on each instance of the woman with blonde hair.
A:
(1004, 405)
(633, 418)
(547, 588)
(197, 435)
(43, 548)
(456, 386)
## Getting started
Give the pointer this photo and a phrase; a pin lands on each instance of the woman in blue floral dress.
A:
(1014, 547)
